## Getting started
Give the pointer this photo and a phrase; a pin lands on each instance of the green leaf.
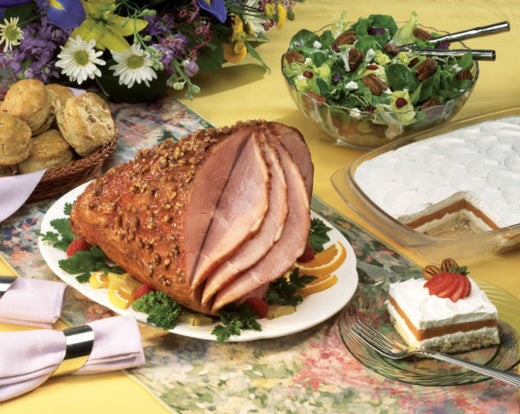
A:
(161, 310)
(235, 318)
(251, 50)
(303, 37)
(318, 236)
(400, 77)
(283, 291)
(211, 57)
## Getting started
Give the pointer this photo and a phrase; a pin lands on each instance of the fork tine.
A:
(370, 335)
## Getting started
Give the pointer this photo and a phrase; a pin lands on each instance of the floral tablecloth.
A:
(308, 372)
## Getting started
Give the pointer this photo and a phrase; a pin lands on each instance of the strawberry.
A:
(259, 306)
(77, 245)
(307, 255)
(449, 285)
(141, 290)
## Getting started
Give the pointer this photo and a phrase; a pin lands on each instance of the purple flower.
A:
(190, 68)
(215, 7)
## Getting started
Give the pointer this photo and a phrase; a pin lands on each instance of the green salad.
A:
(359, 66)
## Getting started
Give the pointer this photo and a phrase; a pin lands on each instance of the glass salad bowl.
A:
(356, 86)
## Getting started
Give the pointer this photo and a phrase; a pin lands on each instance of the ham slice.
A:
(287, 249)
(271, 230)
(240, 211)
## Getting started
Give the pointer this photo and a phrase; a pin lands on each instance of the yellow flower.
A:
(281, 12)
(107, 29)
(234, 52)
(269, 10)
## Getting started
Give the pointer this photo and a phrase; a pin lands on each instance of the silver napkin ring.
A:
(79, 342)
(5, 283)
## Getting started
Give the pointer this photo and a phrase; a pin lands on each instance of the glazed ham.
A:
(209, 220)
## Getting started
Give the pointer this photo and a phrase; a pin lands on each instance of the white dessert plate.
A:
(369, 302)
(315, 308)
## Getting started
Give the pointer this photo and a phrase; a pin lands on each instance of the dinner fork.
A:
(395, 350)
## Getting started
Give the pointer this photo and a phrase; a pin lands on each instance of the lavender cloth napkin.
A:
(29, 358)
(32, 302)
(15, 190)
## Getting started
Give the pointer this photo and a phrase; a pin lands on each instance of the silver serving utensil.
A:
(394, 350)
(480, 54)
(475, 32)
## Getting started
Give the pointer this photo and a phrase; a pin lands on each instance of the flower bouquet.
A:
(131, 47)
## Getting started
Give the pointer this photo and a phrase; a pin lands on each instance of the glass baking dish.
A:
(431, 247)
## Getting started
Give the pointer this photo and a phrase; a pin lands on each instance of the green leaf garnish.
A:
(161, 310)
(235, 318)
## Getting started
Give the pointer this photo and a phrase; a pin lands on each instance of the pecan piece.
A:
(294, 56)
(448, 265)
(391, 48)
(464, 74)
(430, 270)
(346, 38)
(421, 34)
(376, 85)
(426, 69)
(430, 102)
(355, 57)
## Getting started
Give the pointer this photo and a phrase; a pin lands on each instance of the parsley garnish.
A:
(161, 310)
(82, 262)
(87, 261)
(318, 236)
(283, 290)
(235, 318)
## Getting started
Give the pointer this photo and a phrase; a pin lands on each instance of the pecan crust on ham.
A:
(152, 215)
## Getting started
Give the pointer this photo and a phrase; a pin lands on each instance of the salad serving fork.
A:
(395, 350)
(481, 54)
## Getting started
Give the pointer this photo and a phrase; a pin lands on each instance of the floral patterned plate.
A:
(369, 303)
(315, 309)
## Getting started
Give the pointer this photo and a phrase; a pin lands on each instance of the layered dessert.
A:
(447, 313)
(463, 181)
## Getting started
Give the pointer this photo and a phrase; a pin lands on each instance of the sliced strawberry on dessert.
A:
(463, 291)
(259, 306)
(77, 245)
(438, 283)
(451, 287)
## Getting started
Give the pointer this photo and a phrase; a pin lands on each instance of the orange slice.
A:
(119, 298)
(98, 280)
(324, 262)
(319, 286)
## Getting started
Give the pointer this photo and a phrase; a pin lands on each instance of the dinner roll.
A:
(29, 100)
(15, 139)
(86, 123)
(58, 95)
(48, 150)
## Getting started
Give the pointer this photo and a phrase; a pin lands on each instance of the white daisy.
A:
(78, 60)
(133, 65)
(10, 33)
(254, 21)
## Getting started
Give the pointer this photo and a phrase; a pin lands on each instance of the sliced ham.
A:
(287, 249)
(215, 216)
(240, 210)
(271, 230)
(294, 142)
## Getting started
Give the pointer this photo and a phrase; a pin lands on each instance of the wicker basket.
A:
(59, 180)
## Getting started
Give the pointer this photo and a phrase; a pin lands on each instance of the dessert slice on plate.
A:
(446, 311)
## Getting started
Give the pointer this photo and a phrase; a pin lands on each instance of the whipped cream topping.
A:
(481, 161)
(425, 310)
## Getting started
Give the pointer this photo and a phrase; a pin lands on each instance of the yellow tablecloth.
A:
(246, 91)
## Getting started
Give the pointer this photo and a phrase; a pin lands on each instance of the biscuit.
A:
(86, 123)
(15, 139)
(48, 150)
(58, 95)
(29, 100)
